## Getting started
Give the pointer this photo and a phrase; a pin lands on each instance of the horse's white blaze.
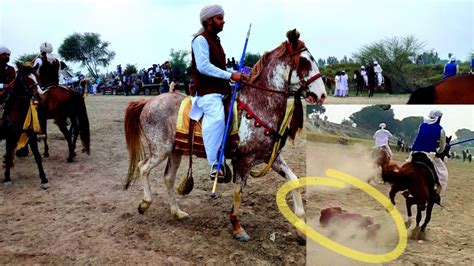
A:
(280, 73)
(317, 87)
(38, 88)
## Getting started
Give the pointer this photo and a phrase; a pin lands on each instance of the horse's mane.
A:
(278, 52)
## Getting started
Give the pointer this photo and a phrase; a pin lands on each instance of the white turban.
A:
(4, 50)
(382, 125)
(46, 47)
(207, 12)
(433, 116)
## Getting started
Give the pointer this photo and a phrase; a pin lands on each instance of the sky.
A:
(143, 32)
(454, 116)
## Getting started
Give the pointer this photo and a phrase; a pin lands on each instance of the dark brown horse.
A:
(453, 90)
(417, 182)
(20, 107)
(290, 66)
(63, 105)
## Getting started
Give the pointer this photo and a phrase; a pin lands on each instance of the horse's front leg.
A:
(240, 171)
(8, 163)
(33, 142)
(392, 193)
(280, 166)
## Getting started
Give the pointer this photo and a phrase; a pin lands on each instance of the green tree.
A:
(463, 134)
(409, 127)
(321, 62)
(251, 59)
(179, 61)
(332, 60)
(26, 58)
(392, 54)
(371, 116)
(129, 70)
(313, 107)
(87, 49)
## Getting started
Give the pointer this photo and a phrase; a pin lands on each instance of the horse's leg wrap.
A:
(238, 231)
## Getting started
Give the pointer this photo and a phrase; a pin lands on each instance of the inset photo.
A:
(418, 157)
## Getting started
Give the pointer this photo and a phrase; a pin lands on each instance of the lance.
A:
(229, 117)
(460, 142)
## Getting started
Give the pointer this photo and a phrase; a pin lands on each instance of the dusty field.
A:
(377, 99)
(87, 218)
(449, 238)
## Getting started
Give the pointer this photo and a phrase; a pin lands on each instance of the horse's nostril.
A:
(323, 96)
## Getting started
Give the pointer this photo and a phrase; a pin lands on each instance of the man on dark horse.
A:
(431, 140)
(47, 66)
(7, 76)
(211, 81)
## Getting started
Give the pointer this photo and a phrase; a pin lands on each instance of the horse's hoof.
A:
(415, 233)
(143, 206)
(8, 183)
(421, 236)
(69, 160)
(46, 155)
(180, 215)
(242, 236)
(44, 185)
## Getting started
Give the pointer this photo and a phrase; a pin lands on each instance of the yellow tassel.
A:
(31, 122)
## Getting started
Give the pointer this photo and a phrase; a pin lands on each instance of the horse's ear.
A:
(19, 66)
(293, 37)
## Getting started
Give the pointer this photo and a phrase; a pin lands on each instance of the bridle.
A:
(304, 87)
(304, 83)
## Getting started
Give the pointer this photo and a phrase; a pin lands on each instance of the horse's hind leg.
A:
(282, 169)
(429, 209)
(33, 142)
(170, 176)
(145, 168)
(408, 202)
(63, 128)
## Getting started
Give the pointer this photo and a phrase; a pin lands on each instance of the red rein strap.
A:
(258, 122)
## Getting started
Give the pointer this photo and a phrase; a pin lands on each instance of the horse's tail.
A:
(133, 131)
(83, 123)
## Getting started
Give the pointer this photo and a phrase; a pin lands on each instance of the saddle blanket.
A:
(182, 138)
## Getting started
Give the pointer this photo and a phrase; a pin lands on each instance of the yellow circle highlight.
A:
(339, 179)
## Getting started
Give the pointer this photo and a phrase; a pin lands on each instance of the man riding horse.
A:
(47, 66)
(431, 139)
(211, 81)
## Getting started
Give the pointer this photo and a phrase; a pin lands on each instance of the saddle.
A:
(422, 158)
(188, 136)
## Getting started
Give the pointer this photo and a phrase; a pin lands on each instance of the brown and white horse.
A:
(290, 66)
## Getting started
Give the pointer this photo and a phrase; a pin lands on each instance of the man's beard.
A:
(215, 27)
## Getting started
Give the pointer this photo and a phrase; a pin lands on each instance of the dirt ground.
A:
(87, 218)
(449, 238)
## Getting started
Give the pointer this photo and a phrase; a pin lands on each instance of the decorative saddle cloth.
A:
(182, 137)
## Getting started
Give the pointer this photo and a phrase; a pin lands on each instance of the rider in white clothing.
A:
(381, 137)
